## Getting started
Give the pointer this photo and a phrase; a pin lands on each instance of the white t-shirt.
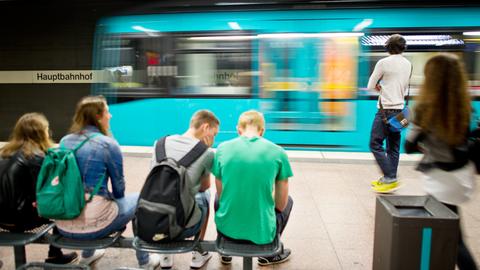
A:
(393, 75)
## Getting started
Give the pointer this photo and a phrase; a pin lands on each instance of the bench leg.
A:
(20, 257)
(247, 263)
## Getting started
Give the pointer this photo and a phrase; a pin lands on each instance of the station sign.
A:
(54, 76)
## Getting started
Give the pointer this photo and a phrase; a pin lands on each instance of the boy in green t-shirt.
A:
(248, 170)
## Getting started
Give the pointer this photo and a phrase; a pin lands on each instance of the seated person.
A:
(20, 162)
(203, 127)
(252, 187)
(100, 159)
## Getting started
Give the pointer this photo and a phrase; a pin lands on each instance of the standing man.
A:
(203, 127)
(390, 78)
(252, 186)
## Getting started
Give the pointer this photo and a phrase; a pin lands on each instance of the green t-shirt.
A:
(248, 168)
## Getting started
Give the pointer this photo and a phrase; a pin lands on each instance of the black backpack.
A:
(165, 204)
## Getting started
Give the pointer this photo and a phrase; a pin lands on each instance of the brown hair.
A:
(203, 116)
(443, 106)
(396, 44)
(89, 110)
(30, 135)
(251, 118)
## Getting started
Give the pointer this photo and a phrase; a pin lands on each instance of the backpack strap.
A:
(97, 187)
(407, 98)
(193, 154)
(100, 180)
(62, 145)
(160, 149)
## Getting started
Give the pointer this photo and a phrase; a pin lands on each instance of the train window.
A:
(177, 64)
(309, 81)
(422, 46)
(214, 65)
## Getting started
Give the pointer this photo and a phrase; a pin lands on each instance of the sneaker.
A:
(280, 258)
(386, 187)
(63, 259)
(199, 259)
(153, 262)
(226, 260)
(382, 180)
(166, 261)
(95, 257)
(376, 182)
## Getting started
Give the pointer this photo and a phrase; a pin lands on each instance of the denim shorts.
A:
(203, 202)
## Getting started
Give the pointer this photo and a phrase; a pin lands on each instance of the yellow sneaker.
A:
(375, 183)
(386, 187)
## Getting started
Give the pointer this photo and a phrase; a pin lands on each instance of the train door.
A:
(308, 87)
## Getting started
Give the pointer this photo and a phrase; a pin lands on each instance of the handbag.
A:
(400, 121)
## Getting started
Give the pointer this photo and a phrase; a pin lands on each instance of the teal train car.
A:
(306, 70)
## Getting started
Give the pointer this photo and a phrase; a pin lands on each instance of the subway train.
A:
(306, 70)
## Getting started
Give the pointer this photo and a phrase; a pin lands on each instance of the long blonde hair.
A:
(30, 135)
(89, 111)
(443, 106)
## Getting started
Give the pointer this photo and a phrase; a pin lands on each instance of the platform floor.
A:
(332, 221)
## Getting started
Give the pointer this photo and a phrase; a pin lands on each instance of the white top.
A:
(454, 187)
(393, 75)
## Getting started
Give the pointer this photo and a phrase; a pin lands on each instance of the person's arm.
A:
(414, 137)
(205, 178)
(218, 185)
(281, 181)
(373, 82)
(153, 161)
(281, 194)
(114, 163)
(204, 182)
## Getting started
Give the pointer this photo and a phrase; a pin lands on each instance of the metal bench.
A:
(65, 242)
(246, 249)
(181, 246)
(19, 240)
(49, 266)
(224, 246)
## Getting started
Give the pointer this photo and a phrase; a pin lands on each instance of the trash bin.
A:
(414, 232)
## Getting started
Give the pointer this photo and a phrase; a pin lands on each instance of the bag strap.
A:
(408, 91)
(62, 145)
(100, 181)
(193, 154)
(160, 149)
(187, 160)
(97, 187)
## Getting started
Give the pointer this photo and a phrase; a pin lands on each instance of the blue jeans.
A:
(126, 212)
(203, 202)
(387, 160)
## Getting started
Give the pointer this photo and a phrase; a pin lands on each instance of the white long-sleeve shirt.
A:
(393, 74)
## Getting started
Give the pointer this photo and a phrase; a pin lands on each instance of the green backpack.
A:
(60, 189)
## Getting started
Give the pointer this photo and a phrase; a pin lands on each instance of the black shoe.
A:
(63, 259)
(280, 258)
(226, 260)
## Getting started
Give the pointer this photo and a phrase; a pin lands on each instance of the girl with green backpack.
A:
(99, 160)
